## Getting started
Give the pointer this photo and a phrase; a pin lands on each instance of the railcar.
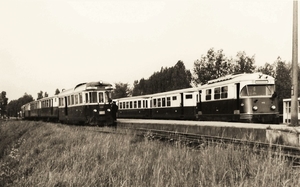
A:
(177, 104)
(240, 97)
(49, 108)
(87, 103)
(137, 107)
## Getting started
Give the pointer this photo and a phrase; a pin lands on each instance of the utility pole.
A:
(294, 90)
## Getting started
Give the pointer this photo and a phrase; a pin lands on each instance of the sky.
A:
(50, 44)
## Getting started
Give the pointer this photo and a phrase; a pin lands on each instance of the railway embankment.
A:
(266, 133)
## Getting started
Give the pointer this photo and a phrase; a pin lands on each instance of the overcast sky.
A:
(49, 44)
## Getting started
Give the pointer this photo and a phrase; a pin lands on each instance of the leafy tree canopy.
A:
(167, 79)
(121, 90)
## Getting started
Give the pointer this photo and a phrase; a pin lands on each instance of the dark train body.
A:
(87, 103)
(240, 97)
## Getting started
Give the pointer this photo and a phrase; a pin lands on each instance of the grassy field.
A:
(47, 154)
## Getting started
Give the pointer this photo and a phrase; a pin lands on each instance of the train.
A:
(87, 103)
(245, 97)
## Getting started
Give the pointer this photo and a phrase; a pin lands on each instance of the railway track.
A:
(197, 140)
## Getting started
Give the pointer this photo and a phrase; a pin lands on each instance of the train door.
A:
(237, 109)
(51, 105)
(181, 105)
(199, 104)
(66, 106)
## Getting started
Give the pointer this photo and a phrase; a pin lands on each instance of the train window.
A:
(208, 94)
(224, 92)
(69, 100)
(174, 98)
(86, 97)
(189, 96)
(127, 104)
(159, 102)
(76, 99)
(168, 101)
(154, 102)
(134, 104)
(101, 98)
(139, 104)
(217, 94)
(72, 100)
(258, 90)
(93, 97)
(80, 98)
(163, 102)
(130, 103)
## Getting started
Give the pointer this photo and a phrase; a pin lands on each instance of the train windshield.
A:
(258, 90)
(107, 96)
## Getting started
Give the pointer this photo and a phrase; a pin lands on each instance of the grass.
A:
(47, 154)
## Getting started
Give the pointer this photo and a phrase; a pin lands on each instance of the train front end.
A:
(99, 109)
(258, 100)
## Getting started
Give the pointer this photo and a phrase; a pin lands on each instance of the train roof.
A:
(88, 86)
(241, 77)
(228, 79)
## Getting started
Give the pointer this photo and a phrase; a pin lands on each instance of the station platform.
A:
(267, 133)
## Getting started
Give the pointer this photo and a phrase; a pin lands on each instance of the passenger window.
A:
(127, 104)
(217, 94)
(163, 101)
(134, 104)
(86, 97)
(168, 101)
(139, 104)
(208, 94)
(189, 96)
(93, 97)
(69, 100)
(72, 99)
(224, 92)
(154, 102)
(76, 99)
(130, 104)
(174, 98)
(159, 102)
(80, 97)
(101, 98)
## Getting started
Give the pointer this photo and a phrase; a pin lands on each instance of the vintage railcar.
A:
(240, 97)
(87, 103)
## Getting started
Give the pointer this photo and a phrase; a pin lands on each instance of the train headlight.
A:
(273, 107)
(254, 108)
(108, 110)
(95, 110)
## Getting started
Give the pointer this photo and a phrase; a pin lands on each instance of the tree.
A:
(14, 106)
(167, 79)
(3, 104)
(57, 91)
(121, 90)
(282, 81)
(40, 95)
(211, 66)
(46, 94)
(244, 63)
(268, 69)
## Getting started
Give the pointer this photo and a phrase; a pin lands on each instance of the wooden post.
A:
(294, 102)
